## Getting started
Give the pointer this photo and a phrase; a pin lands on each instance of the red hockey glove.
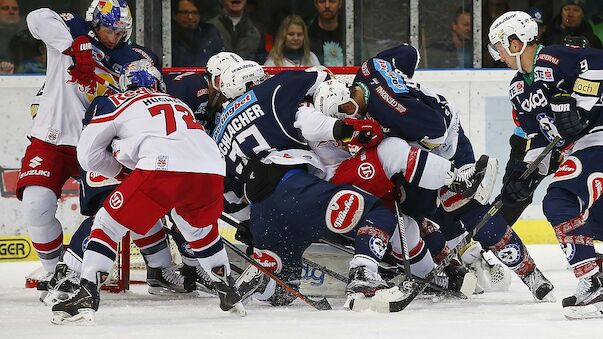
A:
(82, 71)
(367, 133)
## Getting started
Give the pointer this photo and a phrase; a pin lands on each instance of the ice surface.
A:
(136, 314)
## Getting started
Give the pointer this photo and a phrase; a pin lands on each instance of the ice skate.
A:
(539, 285)
(200, 277)
(457, 278)
(81, 307)
(63, 284)
(366, 290)
(167, 280)
(467, 179)
(587, 301)
(230, 300)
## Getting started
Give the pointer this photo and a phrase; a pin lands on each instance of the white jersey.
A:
(62, 105)
(147, 130)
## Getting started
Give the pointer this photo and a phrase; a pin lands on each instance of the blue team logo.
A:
(394, 79)
(569, 250)
(510, 255)
(85, 243)
(548, 128)
(234, 108)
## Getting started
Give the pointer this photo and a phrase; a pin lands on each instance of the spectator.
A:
(538, 15)
(571, 21)
(492, 9)
(193, 42)
(292, 46)
(10, 24)
(456, 52)
(28, 53)
(238, 32)
(327, 34)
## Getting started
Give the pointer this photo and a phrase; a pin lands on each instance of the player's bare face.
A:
(109, 37)
(295, 37)
(510, 61)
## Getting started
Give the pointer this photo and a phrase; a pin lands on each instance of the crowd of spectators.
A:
(312, 32)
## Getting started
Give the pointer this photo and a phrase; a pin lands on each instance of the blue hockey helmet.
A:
(114, 14)
(140, 73)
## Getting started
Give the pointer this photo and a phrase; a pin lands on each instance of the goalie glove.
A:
(570, 119)
(82, 71)
(365, 133)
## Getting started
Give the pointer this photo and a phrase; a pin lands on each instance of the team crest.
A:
(344, 211)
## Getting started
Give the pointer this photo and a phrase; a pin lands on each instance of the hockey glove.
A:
(243, 233)
(516, 190)
(570, 120)
(366, 133)
(82, 71)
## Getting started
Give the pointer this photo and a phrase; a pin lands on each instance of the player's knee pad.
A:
(39, 206)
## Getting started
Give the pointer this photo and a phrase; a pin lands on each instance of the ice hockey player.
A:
(557, 93)
(262, 134)
(431, 123)
(201, 91)
(74, 47)
(182, 174)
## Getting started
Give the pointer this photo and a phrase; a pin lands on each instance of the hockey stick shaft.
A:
(495, 207)
(320, 305)
(403, 241)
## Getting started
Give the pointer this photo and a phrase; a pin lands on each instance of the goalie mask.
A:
(239, 77)
(218, 63)
(140, 73)
(514, 24)
(332, 97)
(114, 14)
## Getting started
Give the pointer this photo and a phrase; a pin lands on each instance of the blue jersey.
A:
(399, 105)
(558, 69)
(260, 122)
(191, 88)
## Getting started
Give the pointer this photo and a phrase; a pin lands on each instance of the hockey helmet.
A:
(330, 95)
(140, 73)
(512, 24)
(218, 63)
(114, 14)
(238, 78)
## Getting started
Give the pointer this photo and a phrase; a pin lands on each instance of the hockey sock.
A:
(154, 246)
(39, 209)
(513, 253)
(75, 253)
(101, 250)
(434, 240)
(188, 256)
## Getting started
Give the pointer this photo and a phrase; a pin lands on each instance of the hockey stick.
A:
(402, 234)
(320, 305)
(395, 271)
(495, 207)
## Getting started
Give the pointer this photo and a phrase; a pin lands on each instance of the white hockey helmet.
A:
(512, 24)
(218, 63)
(330, 95)
(238, 78)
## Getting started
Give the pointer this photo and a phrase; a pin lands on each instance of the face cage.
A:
(342, 114)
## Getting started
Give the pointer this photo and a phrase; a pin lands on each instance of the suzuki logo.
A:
(35, 162)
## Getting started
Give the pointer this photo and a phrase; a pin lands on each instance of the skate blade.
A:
(382, 302)
(238, 309)
(85, 317)
(469, 284)
(55, 297)
(584, 312)
(160, 290)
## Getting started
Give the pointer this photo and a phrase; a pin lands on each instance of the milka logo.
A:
(348, 205)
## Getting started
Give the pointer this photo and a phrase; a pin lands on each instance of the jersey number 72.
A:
(170, 119)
